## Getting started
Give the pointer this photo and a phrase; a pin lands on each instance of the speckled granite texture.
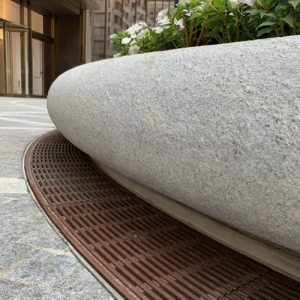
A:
(214, 127)
(35, 263)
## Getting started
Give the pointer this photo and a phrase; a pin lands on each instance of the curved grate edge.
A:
(141, 251)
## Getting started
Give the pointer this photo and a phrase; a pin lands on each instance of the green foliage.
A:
(198, 23)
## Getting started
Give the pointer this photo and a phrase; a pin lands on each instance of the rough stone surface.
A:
(9, 289)
(52, 241)
(214, 127)
(45, 269)
(11, 252)
(84, 285)
(33, 259)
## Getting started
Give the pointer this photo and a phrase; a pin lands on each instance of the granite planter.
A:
(215, 127)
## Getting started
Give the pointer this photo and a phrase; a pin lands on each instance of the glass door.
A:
(15, 63)
(42, 63)
(38, 67)
(2, 61)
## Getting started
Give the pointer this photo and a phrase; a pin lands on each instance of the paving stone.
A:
(85, 286)
(9, 289)
(5, 197)
(45, 237)
(10, 169)
(38, 294)
(13, 185)
(45, 269)
(18, 208)
(14, 196)
(20, 218)
(13, 229)
(39, 217)
(11, 252)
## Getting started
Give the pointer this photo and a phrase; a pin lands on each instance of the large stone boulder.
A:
(214, 127)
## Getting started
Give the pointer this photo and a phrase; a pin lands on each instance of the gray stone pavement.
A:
(34, 262)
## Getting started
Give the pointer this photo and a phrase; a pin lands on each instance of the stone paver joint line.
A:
(28, 245)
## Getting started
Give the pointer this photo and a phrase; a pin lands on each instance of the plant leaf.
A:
(288, 20)
(267, 23)
(209, 34)
(256, 11)
(273, 3)
(218, 3)
(294, 3)
(215, 18)
(265, 30)
(195, 15)
(272, 15)
(248, 32)
(262, 13)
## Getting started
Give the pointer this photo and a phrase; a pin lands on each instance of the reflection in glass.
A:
(49, 49)
(16, 68)
(10, 10)
(134, 11)
(159, 7)
(14, 56)
(165, 4)
(98, 30)
(151, 12)
(129, 13)
(141, 11)
(37, 67)
(2, 64)
(114, 21)
(172, 4)
(37, 23)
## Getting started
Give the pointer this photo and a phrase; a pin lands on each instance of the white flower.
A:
(162, 14)
(133, 36)
(142, 33)
(205, 4)
(117, 55)
(143, 24)
(187, 12)
(158, 30)
(126, 40)
(164, 21)
(134, 49)
(237, 2)
(248, 2)
(113, 35)
(130, 31)
(179, 23)
(184, 1)
(234, 3)
(231, 14)
(134, 28)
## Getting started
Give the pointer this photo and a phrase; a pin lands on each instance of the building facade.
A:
(119, 15)
(41, 39)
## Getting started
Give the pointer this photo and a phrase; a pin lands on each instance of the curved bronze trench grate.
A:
(140, 251)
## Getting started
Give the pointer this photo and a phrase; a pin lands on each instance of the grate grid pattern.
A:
(141, 251)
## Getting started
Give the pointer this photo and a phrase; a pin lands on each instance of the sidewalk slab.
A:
(30, 249)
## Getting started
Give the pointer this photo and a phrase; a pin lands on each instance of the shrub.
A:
(197, 23)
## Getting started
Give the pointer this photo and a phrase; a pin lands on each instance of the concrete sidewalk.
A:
(34, 262)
